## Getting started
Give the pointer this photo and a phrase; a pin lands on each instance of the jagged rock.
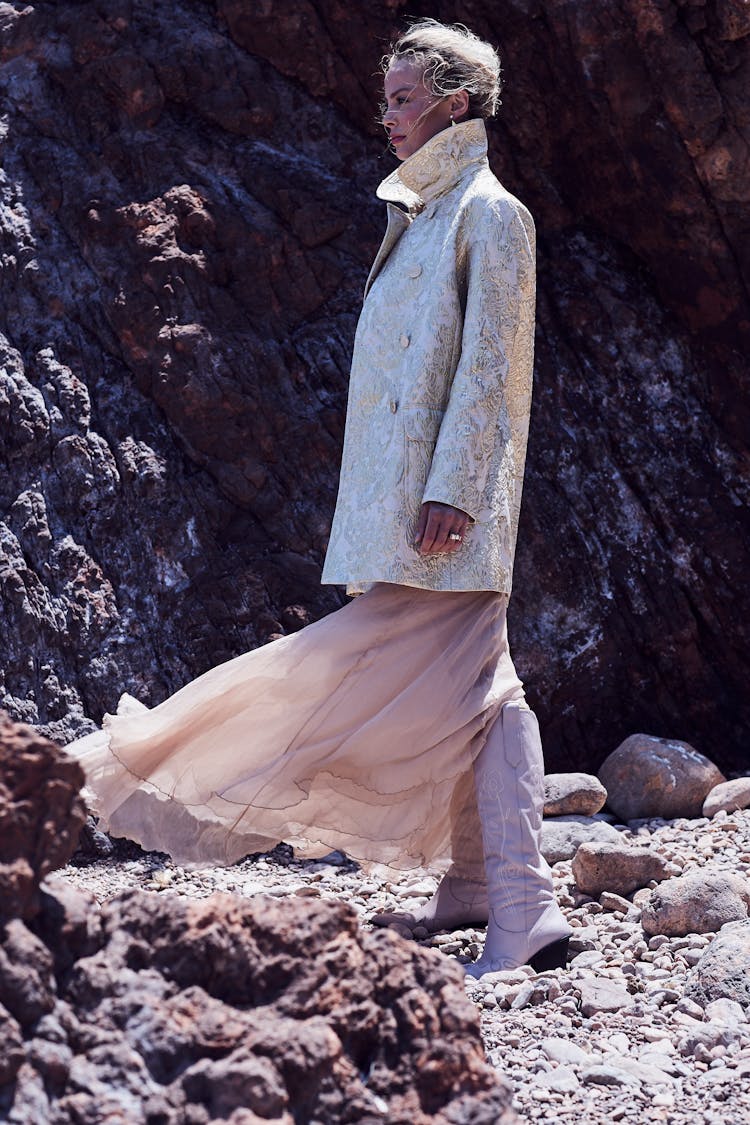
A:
(68, 922)
(41, 813)
(93, 842)
(700, 902)
(27, 985)
(724, 969)
(159, 1007)
(563, 835)
(647, 777)
(188, 216)
(12, 1054)
(579, 794)
(728, 795)
(619, 867)
(212, 1005)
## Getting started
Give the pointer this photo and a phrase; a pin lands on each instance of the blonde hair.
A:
(452, 58)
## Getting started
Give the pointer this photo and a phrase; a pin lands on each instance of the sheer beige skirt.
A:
(357, 733)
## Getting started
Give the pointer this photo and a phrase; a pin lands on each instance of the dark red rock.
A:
(26, 981)
(197, 1008)
(68, 922)
(12, 1054)
(188, 220)
(41, 813)
(158, 1007)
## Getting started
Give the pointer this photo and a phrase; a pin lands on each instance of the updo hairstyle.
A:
(452, 58)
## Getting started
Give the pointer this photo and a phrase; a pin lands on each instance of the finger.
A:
(424, 512)
(431, 531)
(443, 525)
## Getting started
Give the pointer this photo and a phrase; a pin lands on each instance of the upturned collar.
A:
(437, 166)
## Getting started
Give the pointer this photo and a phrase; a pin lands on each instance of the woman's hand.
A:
(437, 522)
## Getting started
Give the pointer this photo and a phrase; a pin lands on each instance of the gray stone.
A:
(573, 793)
(564, 1051)
(603, 995)
(617, 866)
(583, 938)
(563, 835)
(724, 969)
(587, 959)
(725, 1010)
(608, 900)
(603, 1074)
(663, 1062)
(718, 1076)
(642, 1071)
(562, 1079)
(649, 777)
(728, 795)
(700, 902)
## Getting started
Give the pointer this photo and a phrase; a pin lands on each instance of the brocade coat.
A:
(440, 385)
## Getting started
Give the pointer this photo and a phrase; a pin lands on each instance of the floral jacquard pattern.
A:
(440, 385)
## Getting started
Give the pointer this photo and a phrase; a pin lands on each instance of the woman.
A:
(396, 728)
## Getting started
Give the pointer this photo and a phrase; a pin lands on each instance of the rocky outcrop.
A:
(164, 1008)
(160, 1008)
(41, 814)
(647, 776)
(187, 220)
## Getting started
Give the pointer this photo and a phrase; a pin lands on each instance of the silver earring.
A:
(452, 121)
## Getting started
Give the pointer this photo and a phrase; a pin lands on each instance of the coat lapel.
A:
(398, 221)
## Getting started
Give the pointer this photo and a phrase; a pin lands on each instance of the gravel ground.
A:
(663, 1059)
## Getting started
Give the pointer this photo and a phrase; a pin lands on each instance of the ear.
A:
(459, 105)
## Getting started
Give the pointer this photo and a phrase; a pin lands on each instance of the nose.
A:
(388, 118)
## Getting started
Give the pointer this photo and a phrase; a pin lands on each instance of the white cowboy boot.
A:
(461, 897)
(526, 926)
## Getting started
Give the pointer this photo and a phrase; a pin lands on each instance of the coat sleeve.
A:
(496, 351)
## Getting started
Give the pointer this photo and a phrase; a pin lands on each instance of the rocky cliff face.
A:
(187, 219)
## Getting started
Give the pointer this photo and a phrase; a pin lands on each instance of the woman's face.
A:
(411, 113)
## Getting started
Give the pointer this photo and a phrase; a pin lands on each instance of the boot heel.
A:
(552, 956)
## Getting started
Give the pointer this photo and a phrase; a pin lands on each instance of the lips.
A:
(397, 138)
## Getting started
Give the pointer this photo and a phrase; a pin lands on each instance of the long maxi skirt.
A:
(355, 733)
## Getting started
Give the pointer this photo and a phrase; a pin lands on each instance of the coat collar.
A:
(437, 166)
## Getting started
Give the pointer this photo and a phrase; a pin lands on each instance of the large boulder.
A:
(724, 969)
(647, 776)
(41, 814)
(700, 902)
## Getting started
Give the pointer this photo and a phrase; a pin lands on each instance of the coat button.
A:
(393, 406)
(405, 341)
(415, 271)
